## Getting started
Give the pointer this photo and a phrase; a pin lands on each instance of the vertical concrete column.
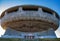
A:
(40, 10)
(19, 12)
(5, 13)
(20, 9)
(54, 14)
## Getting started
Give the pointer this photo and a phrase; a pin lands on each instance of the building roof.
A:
(34, 7)
(29, 6)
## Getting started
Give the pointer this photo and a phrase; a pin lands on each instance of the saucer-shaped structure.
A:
(29, 18)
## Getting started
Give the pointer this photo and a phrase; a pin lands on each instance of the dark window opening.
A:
(14, 10)
(50, 12)
(57, 16)
(30, 9)
(47, 11)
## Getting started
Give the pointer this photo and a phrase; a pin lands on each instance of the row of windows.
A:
(29, 9)
(33, 9)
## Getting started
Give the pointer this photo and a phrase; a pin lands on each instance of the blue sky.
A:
(52, 4)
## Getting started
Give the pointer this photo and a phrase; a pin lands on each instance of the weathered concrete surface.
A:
(28, 17)
(20, 23)
(11, 33)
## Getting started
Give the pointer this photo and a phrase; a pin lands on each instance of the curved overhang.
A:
(30, 6)
(34, 7)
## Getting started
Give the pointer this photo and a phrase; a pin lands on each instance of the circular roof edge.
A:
(16, 7)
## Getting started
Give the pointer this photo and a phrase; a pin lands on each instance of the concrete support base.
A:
(11, 33)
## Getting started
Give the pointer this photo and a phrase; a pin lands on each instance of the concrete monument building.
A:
(30, 22)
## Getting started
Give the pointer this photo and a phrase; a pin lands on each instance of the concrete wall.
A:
(11, 33)
(20, 14)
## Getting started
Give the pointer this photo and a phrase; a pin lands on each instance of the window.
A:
(30, 9)
(13, 10)
(47, 11)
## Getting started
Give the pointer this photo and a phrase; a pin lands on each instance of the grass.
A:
(18, 39)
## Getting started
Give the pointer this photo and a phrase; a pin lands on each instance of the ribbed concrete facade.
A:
(29, 22)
